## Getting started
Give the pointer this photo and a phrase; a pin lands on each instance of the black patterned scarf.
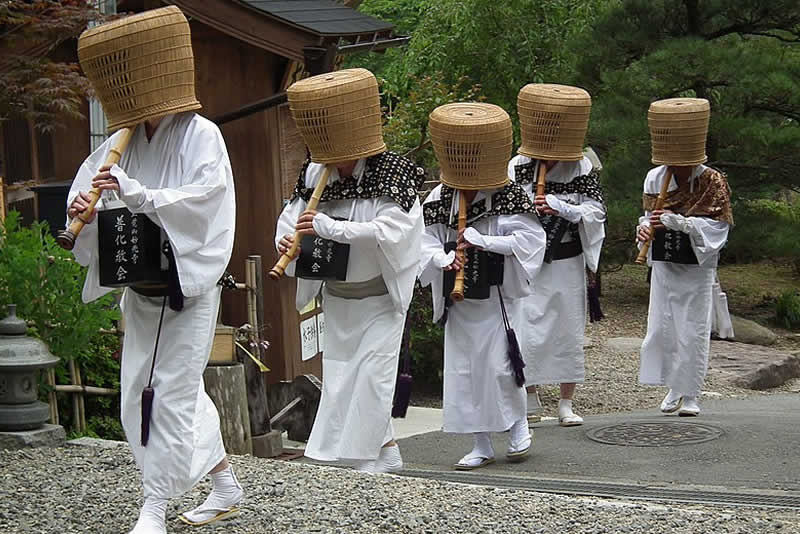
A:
(386, 175)
(587, 184)
(510, 200)
(554, 226)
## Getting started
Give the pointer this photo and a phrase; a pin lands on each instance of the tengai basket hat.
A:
(472, 142)
(553, 121)
(141, 66)
(678, 130)
(339, 115)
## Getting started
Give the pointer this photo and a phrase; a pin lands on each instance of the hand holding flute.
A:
(646, 236)
(289, 246)
(82, 209)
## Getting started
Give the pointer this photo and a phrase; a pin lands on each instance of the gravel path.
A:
(91, 489)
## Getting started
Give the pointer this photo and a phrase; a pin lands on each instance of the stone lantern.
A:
(21, 359)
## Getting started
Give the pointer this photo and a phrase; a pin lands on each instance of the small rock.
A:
(752, 333)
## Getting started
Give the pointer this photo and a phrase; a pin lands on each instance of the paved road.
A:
(759, 448)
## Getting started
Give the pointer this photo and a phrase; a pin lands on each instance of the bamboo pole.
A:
(78, 415)
(258, 278)
(88, 390)
(51, 396)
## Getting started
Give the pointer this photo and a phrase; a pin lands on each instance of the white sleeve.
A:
(433, 258)
(592, 229)
(389, 230)
(708, 237)
(524, 239)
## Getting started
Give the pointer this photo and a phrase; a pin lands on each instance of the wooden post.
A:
(2, 200)
(266, 443)
(225, 384)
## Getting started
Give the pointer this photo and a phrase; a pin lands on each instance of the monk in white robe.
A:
(480, 391)
(370, 204)
(553, 318)
(690, 232)
(176, 171)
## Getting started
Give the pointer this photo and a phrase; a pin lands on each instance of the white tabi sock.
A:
(565, 408)
(389, 460)
(483, 445)
(519, 436)
(226, 494)
(152, 517)
(672, 396)
(364, 466)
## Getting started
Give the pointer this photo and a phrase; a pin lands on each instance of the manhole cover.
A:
(654, 434)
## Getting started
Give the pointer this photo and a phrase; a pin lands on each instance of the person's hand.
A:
(655, 219)
(79, 205)
(305, 223)
(541, 206)
(285, 243)
(457, 264)
(643, 234)
(104, 181)
(462, 244)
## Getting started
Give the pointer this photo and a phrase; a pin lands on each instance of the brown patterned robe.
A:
(711, 198)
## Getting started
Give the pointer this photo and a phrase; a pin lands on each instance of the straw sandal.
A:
(221, 515)
(468, 462)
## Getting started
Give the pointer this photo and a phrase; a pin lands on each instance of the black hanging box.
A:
(673, 246)
(322, 259)
(482, 270)
(130, 249)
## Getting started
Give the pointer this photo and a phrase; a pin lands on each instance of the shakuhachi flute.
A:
(457, 295)
(641, 259)
(66, 238)
(542, 179)
(277, 271)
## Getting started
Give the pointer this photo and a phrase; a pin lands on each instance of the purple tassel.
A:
(515, 356)
(593, 294)
(147, 408)
(402, 395)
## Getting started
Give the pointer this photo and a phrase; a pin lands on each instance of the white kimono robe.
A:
(480, 393)
(362, 336)
(675, 350)
(182, 180)
(553, 319)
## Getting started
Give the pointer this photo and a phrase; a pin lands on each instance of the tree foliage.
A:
(32, 84)
(743, 56)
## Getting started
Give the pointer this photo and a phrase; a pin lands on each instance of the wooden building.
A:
(246, 53)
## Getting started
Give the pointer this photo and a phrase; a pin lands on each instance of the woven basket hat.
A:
(553, 121)
(472, 142)
(338, 115)
(678, 130)
(141, 66)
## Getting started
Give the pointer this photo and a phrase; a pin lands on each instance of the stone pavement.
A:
(752, 443)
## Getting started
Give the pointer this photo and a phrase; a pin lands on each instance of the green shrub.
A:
(787, 309)
(46, 284)
(765, 229)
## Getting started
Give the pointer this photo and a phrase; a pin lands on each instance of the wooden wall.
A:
(230, 74)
